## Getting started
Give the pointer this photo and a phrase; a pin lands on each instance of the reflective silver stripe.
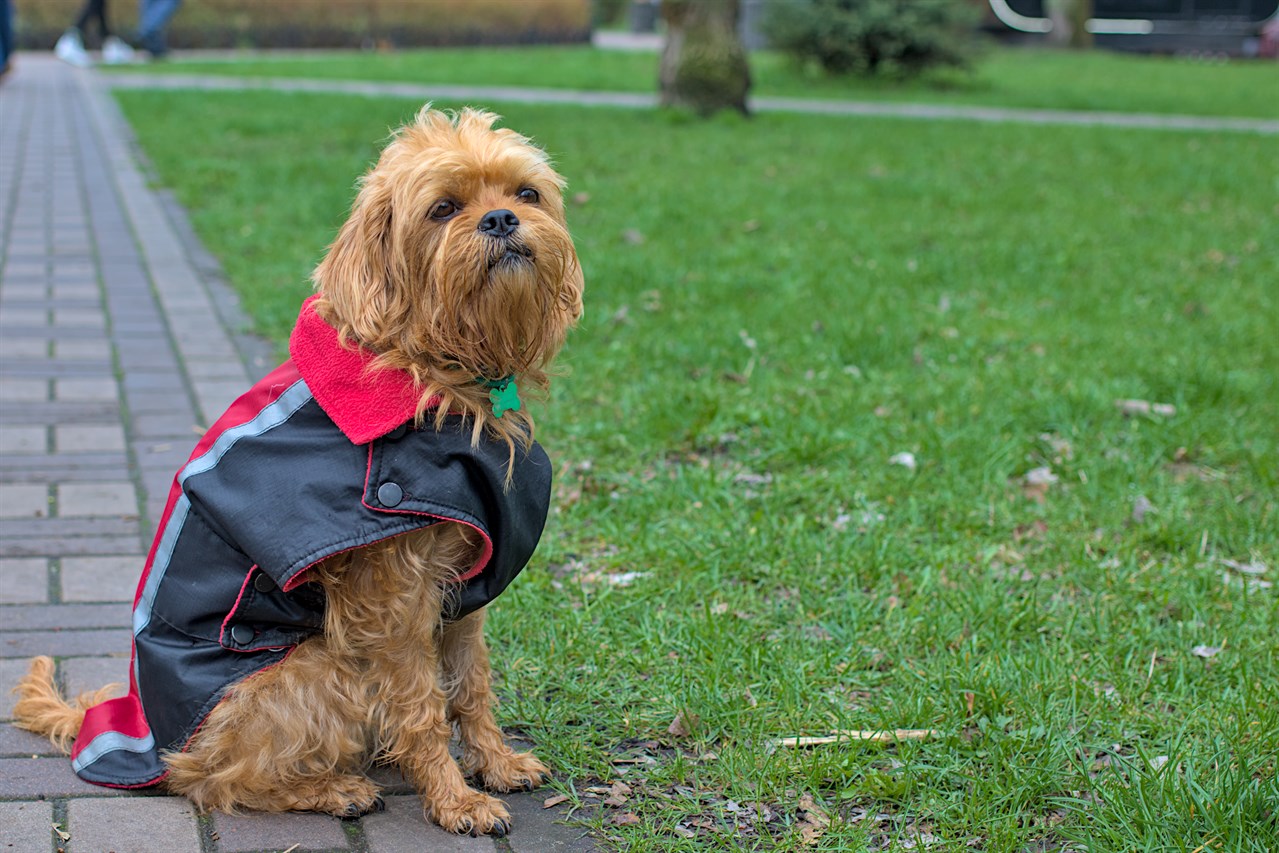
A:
(110, 742)
(163, 553)
(297, 396)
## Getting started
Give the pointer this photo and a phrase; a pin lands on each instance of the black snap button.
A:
(398, 433)
(263, 583)
(241, 633)
(389, 494)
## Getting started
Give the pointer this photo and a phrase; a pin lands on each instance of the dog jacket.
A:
(318, 458)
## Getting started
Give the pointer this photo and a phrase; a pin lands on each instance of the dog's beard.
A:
(501, 305)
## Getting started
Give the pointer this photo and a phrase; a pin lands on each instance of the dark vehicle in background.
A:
(1228, 27)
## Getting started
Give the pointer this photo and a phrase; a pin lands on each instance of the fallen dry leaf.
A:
(1060, 446)
(64, 836)
(1034, 530)
(1205, 651)
(906, 459)
(1145, 407)
(624, 819)
(682, 725)
(552, 802)
(1036, 482)
(1141, 507)
(1251, 569)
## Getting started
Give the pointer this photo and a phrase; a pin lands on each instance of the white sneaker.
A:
(115, 51)
(70, 49)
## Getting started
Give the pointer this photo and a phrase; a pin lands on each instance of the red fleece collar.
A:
(366, 402)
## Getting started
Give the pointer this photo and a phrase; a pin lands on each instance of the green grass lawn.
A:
(775, 309)
(1003, 77)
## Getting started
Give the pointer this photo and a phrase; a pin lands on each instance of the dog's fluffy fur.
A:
(412, 277)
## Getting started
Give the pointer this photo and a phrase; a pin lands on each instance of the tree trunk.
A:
(1080, 13)
(1070, 23)
(704, 64)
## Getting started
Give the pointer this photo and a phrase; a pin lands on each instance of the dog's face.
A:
(456, 253)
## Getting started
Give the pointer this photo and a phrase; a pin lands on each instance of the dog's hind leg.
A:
(468, 676)
(290, 738)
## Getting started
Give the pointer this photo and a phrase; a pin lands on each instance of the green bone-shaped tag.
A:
(504, 396)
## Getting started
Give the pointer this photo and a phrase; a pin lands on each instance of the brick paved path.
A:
(114, 352)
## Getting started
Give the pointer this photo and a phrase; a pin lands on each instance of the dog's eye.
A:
(444, 209)
(529, 195)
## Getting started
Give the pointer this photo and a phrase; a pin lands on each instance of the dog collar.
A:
(504, 394)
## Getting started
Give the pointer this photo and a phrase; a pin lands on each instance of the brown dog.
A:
(280, 651)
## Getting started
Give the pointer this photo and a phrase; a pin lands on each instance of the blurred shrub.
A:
(901, 37)
(331, 23)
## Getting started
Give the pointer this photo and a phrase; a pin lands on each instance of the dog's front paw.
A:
(511, 771)
(473, 813)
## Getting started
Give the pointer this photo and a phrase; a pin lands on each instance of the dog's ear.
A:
(356, 276)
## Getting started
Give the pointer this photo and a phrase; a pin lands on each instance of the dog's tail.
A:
(42, 710)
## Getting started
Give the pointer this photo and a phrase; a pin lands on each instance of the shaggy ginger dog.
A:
(314, 600)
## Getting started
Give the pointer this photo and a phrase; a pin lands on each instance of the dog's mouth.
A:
(510, 255)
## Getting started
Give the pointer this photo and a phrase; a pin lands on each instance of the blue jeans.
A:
(153, 19)
(6, 32)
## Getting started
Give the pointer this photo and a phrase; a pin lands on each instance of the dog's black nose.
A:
(499, 223)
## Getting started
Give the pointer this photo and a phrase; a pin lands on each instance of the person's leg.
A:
(6, 35)
(70, 46)
(93, 10)
(153, 20)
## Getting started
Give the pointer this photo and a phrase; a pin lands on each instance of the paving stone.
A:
(25, 348)
(20, 318)
(93, 673)
(216, 396)
(84, 388)
(10, 671)
(55, 617)
(169, 424)
(97, 499)
(538, 830)
(77, 317)
(47, 776)
(43, 468)
(229, 369)
(167, 382)
(47, 531)
(26, 827)
(23, 390)
(78, 643)
(23, 439)
(47, 368)
(255, 831)
(68, 547)
(403, 827)
(69, 438)
(23, 500)
(101, 578)
(60, 411)
(158, 402)
(82, 349)
(24, 581)
(16, 743)
(133, 825)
